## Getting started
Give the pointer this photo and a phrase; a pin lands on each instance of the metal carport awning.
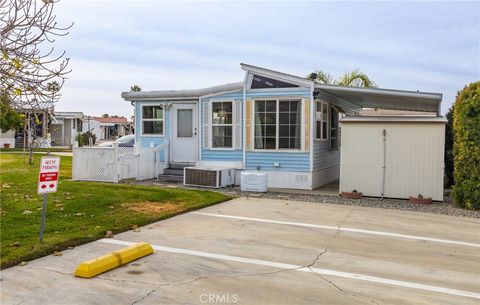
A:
(353, 99)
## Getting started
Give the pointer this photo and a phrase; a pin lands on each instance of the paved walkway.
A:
(263, 251)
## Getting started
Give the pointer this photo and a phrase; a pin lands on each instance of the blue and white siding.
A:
(325, 160)
(145, 141)
(326, 163)
(315, 164)
(285, 168)
(231, 157)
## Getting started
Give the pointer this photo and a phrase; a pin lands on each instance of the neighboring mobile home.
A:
(64, 128)
(34, 130)
(284, 125)
(112, 128)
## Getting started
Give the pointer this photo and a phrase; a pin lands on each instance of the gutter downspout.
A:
(384, 161)
(312, 122)
(244, 118)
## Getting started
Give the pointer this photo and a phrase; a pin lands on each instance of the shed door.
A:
(184, 135)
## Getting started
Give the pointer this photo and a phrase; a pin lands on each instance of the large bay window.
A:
(222, 125)
(321, 117)
(152, 120)
(277, 124)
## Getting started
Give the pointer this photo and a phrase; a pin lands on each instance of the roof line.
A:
(374, 90)
(277, 74)
(181, 94)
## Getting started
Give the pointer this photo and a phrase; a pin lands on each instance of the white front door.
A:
(184, 133)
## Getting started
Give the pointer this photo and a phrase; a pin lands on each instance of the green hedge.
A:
(466, 148)
(449, 149)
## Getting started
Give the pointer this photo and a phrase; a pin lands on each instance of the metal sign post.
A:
(42, 221)
(47, 183)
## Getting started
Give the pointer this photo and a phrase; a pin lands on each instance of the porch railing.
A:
(159, 165)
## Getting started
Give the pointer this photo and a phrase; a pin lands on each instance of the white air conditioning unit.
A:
(209, 177)
(254, 181)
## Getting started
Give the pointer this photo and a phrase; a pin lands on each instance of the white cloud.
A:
(427, 46)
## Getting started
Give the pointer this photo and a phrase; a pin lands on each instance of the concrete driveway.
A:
(259, 251)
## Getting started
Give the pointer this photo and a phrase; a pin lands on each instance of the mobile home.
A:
(286, 126)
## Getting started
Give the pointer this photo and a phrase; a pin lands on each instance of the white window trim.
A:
(152, 120)
(328, 122)
(302, 125)
(210, 124)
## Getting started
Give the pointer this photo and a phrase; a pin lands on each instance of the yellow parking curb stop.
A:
(112, 260)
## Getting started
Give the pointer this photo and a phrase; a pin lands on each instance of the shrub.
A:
(466, 148)
(82, 138)
(449, 149)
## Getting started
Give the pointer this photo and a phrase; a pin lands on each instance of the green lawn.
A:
(80, 211)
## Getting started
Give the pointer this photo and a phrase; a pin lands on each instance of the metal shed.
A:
(393, 157)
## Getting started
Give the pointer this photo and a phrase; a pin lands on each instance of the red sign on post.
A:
(48, 178)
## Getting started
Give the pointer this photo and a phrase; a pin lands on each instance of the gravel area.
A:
(443, 208)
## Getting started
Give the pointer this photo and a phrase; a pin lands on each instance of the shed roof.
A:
(396, 119)
(390, 112)
(181, 94)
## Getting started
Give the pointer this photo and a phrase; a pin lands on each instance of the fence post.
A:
(74, 171)
(116, 160)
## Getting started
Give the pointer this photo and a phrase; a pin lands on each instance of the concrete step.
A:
(170, 178)
(180, 165)
(173, 172)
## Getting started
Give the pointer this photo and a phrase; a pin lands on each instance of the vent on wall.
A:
(209, 177)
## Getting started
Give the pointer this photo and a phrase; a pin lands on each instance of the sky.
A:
(427, 46)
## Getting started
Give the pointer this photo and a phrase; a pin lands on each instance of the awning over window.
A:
(353, 99)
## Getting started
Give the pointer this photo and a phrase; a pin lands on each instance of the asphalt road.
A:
(259, 251)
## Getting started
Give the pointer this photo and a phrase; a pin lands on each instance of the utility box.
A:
(253, 182)
(393, 157)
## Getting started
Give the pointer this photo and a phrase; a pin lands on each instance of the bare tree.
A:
(28, 61)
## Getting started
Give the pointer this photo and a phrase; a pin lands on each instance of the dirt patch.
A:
(149, 207)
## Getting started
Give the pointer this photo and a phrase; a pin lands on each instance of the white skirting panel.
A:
(326, 175)
(289, 180)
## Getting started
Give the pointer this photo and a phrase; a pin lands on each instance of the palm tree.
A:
(355, 78)
(135, 88)
(53, 87)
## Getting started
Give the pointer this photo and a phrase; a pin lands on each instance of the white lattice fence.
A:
(122, 151)
(128, 162)
(95, 164)
(111, 164)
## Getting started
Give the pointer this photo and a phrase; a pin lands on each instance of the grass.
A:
(79, 212)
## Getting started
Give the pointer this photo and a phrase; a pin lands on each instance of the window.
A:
(222, 124)
(277, 124)
(322, 121)
(152, 120)
(334, 130)
(184, 123)
(262, 82)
